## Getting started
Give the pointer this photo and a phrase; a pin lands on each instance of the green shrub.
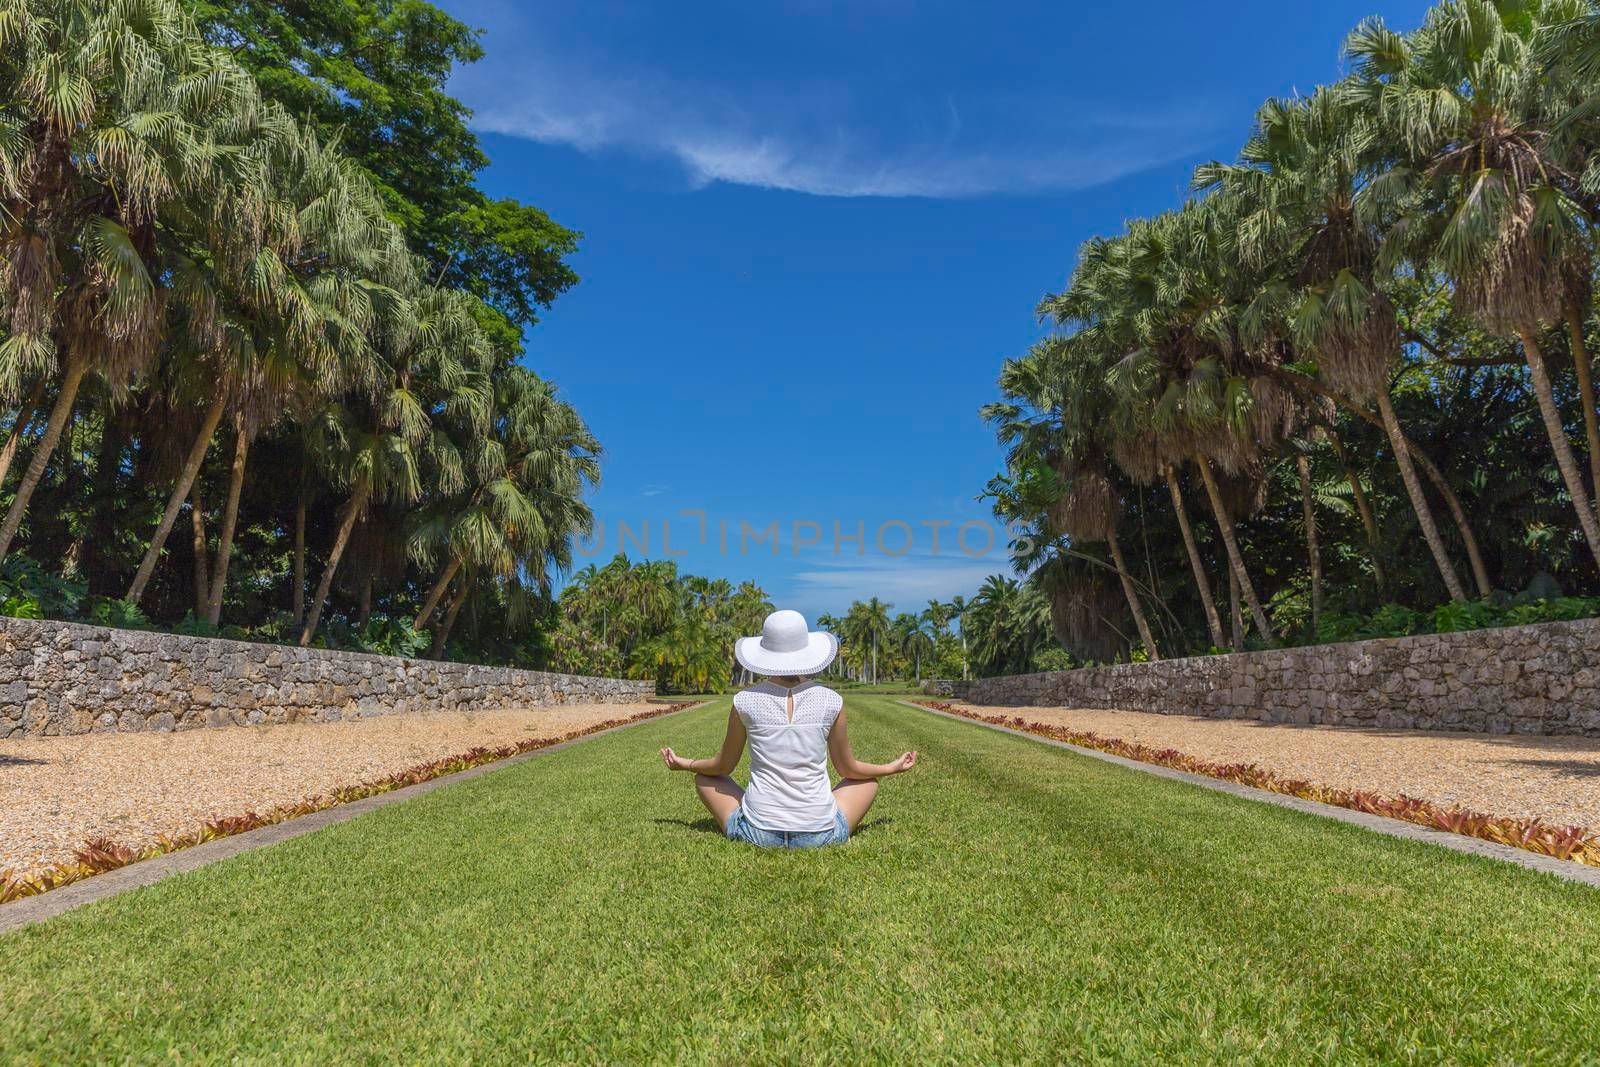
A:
(1559, 609)
(27, 592)
(1467, 615)
(110, 611)
(1393, 620)
(384, 636)
(1052, 658)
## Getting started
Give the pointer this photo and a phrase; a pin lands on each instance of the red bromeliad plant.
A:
(1576, 843)
(101, 854)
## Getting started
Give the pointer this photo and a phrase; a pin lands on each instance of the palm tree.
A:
(377, 443)
(1162, 306)
(913, 640)
(1296, 188)
(523, 499)
(867, 624)
(1489, 203)
(1201, 580)
(305, 303)
(831, 624)
(958, 614)
(1010, 621)
(1055, 418)
(273, 317)
(20, 426)
(1569, 53)
(101, 154)
(1313, 550)
(748, 608)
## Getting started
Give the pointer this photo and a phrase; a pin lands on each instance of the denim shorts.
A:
(742, 829)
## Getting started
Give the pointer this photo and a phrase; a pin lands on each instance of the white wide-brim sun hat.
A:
(786, 647)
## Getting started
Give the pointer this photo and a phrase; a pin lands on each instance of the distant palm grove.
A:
(1347, 389)
(261, 332)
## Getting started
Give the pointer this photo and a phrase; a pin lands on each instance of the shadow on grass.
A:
(21, 761)
(708, 825)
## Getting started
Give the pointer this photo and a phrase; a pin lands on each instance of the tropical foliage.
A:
(645, 620)
(1003, 629)
(1353, 371)
(278, 315)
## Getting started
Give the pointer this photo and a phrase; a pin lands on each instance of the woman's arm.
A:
(845, 762)
(723, 762)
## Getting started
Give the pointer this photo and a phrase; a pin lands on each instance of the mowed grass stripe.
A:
(1006, 900)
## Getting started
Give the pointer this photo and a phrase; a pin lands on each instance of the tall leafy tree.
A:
(374, 73)
(1498, 213)
(1058, 414)
(1297, 184)
(112, 129)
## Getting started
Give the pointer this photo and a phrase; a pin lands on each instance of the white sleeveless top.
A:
(789, 785)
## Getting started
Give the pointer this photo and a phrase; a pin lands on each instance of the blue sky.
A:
(813, 231)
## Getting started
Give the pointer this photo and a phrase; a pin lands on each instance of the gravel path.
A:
(57, 792)
(1556, 778)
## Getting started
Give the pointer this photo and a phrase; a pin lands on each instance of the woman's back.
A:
(792, 735)
(789, 786)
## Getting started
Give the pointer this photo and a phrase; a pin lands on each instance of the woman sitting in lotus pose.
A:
(794, 726)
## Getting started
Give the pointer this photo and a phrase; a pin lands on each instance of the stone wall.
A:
(1542, 679)
(64, 678)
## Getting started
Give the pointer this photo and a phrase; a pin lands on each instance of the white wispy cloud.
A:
(819, 139)
(908, 582)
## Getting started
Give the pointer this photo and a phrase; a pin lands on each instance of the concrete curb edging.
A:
(1472, 846)
(30, 910)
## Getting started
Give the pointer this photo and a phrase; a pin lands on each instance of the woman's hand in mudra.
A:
(674, 761)
(906, 761)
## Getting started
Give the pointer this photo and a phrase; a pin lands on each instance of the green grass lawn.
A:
(1007, 900)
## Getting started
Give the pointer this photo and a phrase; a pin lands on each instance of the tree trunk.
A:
(1565, 460)
(230, 520)
(1419, 503)
(1369, 518)
(103, 499)
(72, 378)
(1235, 558)
(1480, 573)
(1591, 419)
(364, 609)
(298, 593)
(1313, 553)
(1213, 622)
(1133, 596)
(436, 593)
(180, 492)
(874, 657)
(1369, 523)
(443, 633)
(347, 522)
(19, 428)
(1405, 451)
(202, 573)
(1235, 611)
